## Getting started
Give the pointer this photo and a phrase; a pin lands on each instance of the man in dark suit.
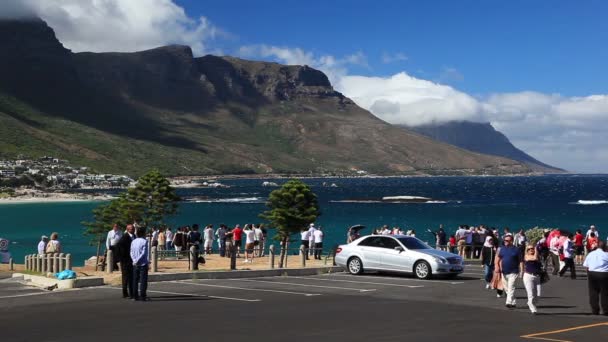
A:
(126, 265)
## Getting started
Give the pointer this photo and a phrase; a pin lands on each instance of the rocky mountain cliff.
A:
(163, 108)
(482, 138)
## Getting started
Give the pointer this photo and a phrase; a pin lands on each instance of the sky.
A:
(536, 70)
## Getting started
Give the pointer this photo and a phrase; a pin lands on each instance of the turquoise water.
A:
(515, 202)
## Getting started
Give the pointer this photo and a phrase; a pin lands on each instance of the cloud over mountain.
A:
(117, 25)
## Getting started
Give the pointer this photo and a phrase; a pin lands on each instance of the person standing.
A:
(237, 235)
(596, 263)
(461, 241)
(259, 241)
(305, 238)
(179, 240)
(442, 239)
(195, 238)
(221, 239)
(264, 239)
(42, 244)
(554, 250)
(318, 239)
(162, 239)
(208, 235)
(593, 230)
(155, 232)
(311, 239)
(169, 238)
(510, 264)
(592, 242)
(488, 254)
(533, 270)
(140, 259)
(579, 248)
(123, 248)
(568, 249)
(249, 243)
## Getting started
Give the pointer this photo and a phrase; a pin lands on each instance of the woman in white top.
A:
(249, 243)
(259, 241)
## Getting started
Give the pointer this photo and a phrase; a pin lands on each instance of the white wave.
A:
(591, 202)
(435, 202)
(356, 201)
(232, 200)
(384, 201)
(405, 198)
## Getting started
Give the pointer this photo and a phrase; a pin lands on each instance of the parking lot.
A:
(340, 306)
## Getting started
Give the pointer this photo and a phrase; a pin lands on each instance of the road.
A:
(337, 307)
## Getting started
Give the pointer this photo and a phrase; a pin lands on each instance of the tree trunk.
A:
(97, 256)
(283, 252)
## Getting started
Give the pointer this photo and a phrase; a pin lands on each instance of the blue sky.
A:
(478, 46)
(536, 70)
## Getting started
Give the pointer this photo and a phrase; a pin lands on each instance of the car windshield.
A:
(413, 243)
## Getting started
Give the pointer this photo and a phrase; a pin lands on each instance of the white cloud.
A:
(119, 25)
(563, 131)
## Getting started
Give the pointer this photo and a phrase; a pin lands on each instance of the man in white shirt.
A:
(112, 239)
(42, 244)
(311, 238)
(259, 241)
(461, 241)
(318, 239)
(385, 230)
(169, 239)
(208, 235)
(596, 263)
(305, 239)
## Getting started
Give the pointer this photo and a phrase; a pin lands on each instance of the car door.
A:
(370, 249)
(390, 258)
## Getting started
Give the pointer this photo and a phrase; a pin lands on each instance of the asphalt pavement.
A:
(337, 307)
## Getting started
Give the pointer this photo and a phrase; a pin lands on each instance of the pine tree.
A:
(292, 207)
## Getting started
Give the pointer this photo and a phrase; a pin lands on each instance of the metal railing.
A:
(52, 262)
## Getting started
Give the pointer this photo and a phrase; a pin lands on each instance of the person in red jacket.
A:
(237, 235)
(579, 249)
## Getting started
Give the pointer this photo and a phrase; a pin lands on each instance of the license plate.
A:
(457, 268)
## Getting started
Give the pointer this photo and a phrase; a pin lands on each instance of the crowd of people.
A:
(253, 237)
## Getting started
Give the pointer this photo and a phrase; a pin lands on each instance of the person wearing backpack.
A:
(54, 246)
(194, 238)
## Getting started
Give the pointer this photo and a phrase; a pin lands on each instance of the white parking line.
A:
(407, 279)
(197, 295)
(28, 294)
(190, 294)
(357, 282)
(306, 285)
(246, 289)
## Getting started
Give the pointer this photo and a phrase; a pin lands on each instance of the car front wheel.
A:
(422, 270)
(355, 266)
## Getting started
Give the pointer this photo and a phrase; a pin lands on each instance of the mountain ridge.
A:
(164, 108)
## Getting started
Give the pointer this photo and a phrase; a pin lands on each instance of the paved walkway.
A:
(371, 307)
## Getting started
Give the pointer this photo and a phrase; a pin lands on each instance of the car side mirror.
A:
(399, 248)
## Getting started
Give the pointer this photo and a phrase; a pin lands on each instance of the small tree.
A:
(534, 235)
(292, 207)
(151, 200)
(106, 215)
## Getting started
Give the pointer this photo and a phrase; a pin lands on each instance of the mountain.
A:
(163, 108)
(482, 138)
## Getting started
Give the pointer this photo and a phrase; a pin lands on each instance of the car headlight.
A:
(440, 260)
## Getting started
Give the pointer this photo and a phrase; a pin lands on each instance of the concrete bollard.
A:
(38, 265)
(42, 263)
(61, 262)
(303, 255)
(49, 263)
(154, 258)
(68, 261)
(27, 262)
(271, 256)
(109, 261)
(233, 257)
(11, 264)
(56, 263)
(193, 258)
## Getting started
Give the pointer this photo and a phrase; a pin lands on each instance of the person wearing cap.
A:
(42, 244)
(596, 263)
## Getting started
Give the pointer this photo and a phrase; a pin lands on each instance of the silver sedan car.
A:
(397, 253)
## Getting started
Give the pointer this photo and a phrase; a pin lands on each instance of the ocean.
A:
(565, 201)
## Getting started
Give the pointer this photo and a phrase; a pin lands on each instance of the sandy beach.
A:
(23, 196)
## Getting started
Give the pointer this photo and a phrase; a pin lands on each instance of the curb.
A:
(44, 282)
(159, 277)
